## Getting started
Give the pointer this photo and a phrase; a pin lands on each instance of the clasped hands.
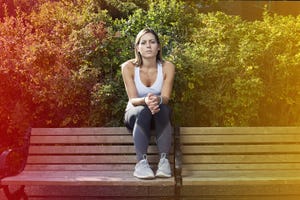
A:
(153, 101)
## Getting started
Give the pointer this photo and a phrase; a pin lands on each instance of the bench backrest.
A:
(84, 149)
(240, 148)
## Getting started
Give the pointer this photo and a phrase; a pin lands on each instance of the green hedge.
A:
(239, 73)
(62, 62)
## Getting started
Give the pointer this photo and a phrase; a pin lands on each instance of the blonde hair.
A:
(138, 58)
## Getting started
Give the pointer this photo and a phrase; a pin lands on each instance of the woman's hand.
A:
(152, 101)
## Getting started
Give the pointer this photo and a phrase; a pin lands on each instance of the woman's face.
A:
(148, 46)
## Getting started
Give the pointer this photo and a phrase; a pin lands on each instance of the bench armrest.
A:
(3, 162)
(178, 157)
(7, 162)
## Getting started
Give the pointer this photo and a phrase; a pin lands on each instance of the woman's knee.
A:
(138, 114)
(131, 116)
(165, 111)
(144, 114)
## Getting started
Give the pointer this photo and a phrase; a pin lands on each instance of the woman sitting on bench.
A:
(148, 81)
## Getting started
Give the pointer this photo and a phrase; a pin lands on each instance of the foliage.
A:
(237, 73)
(118, 9)
(60, 64)
(15, 98)
(279, 69)
(49, 65)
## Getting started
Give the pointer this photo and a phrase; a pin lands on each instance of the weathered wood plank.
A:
(90, 149)
(97, 197)
(84, 149)
(239, 139)
(244, 197)
(238, 130)
(253, 190)
(242, 166)
(100, 192)
(238, 177)
(89, 159)
(228, 149)
(111, 139)
(80, 167)
(85, 167)
(81, 131)
(106, 139)
(86, 178)
(268, 158)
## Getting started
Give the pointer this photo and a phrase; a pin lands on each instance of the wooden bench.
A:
(86, 163)
(240, 163)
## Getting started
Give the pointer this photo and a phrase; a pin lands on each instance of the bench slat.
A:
(238, 130)
(239, 139)
(80, 167)
(100, 192)
(111, 139)
(62, 159)
(269, 158)
(96, 149)
(84, 167)
(256, 191)
(86, 178)
(242, 166)
(81, 149)
(227, 149)
(238, 177)
(106, 139)
(81, 131)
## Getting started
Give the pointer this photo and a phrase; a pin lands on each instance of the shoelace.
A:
(163, 155)
(146, 161)
(162, 159)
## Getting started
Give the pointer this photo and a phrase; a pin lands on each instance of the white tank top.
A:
(155, 88)
(143, 90)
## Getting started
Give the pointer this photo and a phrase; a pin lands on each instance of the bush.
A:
(238, 73)
(60, 64)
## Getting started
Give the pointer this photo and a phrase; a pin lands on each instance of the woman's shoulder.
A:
(128, 64)
(168, 65)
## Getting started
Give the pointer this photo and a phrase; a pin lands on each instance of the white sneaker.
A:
(143, 170)
(164, 169)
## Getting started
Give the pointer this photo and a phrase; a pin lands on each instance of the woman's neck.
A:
(149, 63)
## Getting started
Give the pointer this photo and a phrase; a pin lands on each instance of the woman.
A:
(148, 81)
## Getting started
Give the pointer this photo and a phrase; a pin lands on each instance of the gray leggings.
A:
(139, 120)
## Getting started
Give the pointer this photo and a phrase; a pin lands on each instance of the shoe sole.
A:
(162, 175)
(144, 177)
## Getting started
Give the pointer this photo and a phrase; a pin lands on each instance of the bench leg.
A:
(177, 192)
(17, 195)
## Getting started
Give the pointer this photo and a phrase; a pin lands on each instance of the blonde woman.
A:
(148, 81)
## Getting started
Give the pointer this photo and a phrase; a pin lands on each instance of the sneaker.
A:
(164, 169)
(143, 170)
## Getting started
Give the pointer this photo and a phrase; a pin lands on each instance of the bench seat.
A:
(240, 162)
(98, 160)
(86, 178)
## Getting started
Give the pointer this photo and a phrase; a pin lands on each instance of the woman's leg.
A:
(138, 120)
(163, 129)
